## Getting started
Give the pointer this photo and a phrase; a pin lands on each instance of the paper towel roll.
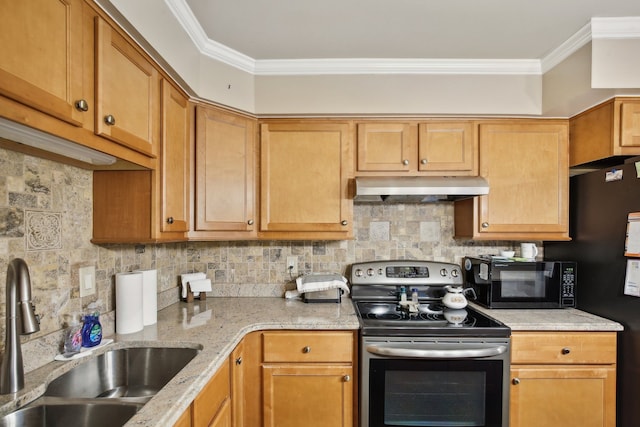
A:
(149, 296)
(129, 317)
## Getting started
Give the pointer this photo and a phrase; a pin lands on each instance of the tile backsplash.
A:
(46, 218)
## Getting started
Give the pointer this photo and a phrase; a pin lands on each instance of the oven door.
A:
(434, 383)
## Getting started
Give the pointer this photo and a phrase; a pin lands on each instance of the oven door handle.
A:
(463, 353)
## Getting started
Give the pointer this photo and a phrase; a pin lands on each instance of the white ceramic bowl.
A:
(507, 254)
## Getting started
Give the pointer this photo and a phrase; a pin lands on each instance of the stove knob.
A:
(454, 273)
(370, 272)
(443, 272)
(359, 273)
(380, 272)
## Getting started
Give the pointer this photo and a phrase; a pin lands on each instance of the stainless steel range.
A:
(423, 364)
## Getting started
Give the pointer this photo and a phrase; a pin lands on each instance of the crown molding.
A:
(616, 28)
(601, 28)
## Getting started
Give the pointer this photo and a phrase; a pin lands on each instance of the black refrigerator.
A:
(598, 225)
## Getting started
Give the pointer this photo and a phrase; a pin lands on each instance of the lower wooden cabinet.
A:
(282, 379)
(563, 379)
(212, 407)
(308, 379)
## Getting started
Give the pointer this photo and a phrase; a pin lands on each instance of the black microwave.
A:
(507, 283)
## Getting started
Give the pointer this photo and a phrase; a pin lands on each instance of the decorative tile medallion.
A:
(43, 230)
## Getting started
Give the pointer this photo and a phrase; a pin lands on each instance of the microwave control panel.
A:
(568, 284)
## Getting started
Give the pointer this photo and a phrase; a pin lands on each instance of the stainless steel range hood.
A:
(418, 189)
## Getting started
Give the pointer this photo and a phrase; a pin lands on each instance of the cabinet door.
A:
(563, 396)
(448, 148)
(310, 396)
(174, 160)
(385, 147)
(236, 364)
(225, 172)
(212, 406)
(527, 168)
(41, 60)
(305, 171)
(127, 93)
(630, 124)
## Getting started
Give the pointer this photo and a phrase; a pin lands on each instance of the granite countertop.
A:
(564, 319)
(218, 324)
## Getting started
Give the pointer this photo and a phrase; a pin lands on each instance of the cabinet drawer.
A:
(212, 397)
(559, 348)
(308, 347)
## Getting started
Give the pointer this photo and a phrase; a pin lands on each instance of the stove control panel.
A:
(406, 271)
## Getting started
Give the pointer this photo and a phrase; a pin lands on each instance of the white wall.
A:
(399, 94)
(616, 63)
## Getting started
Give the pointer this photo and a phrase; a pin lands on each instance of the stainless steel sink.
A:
(136, 373)
(104, 391)
(101, 414)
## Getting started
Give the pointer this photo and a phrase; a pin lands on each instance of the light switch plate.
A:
(87, 280)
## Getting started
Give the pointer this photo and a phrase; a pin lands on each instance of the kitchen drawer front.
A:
(563, 347)
(308, 347)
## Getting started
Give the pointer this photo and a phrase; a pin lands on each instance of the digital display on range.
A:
(408, 272)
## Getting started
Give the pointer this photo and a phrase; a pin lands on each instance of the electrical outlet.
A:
(87, 277)
(292, 265)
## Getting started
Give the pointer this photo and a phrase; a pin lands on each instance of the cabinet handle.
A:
(82, 105)
(110, 120)
(423, 161)
(170, 220)
(344, 222)
(239, 361)
(346, 378)
(515, 381)
(485, 225)
(306, 349)
(250, 222)
(405, 162)
(566, 350)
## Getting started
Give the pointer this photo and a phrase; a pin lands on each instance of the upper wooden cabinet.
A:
(225, 175)
(41, 57)
(606, 131)
(64, 68)
(139, 206)
(416, 148)
(305, 176)
(127, 92)
(386, 147)
(447, 148)
(526, 165)
(174, 174)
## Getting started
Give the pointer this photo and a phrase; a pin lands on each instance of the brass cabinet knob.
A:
(405, 162)
(485, 225)
(344, 222)
(515, 381)
(250, 222)
(110, 120)
(82, 105)
(423, 161)
(306, 349)
(170, 220)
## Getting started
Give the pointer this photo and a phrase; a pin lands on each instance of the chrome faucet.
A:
(20, 320)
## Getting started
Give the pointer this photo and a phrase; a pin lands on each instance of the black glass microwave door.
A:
(438, 393)
(530, 284)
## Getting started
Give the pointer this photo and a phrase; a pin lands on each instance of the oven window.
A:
(435, 393)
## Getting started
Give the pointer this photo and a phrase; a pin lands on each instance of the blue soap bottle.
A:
(91, 329)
